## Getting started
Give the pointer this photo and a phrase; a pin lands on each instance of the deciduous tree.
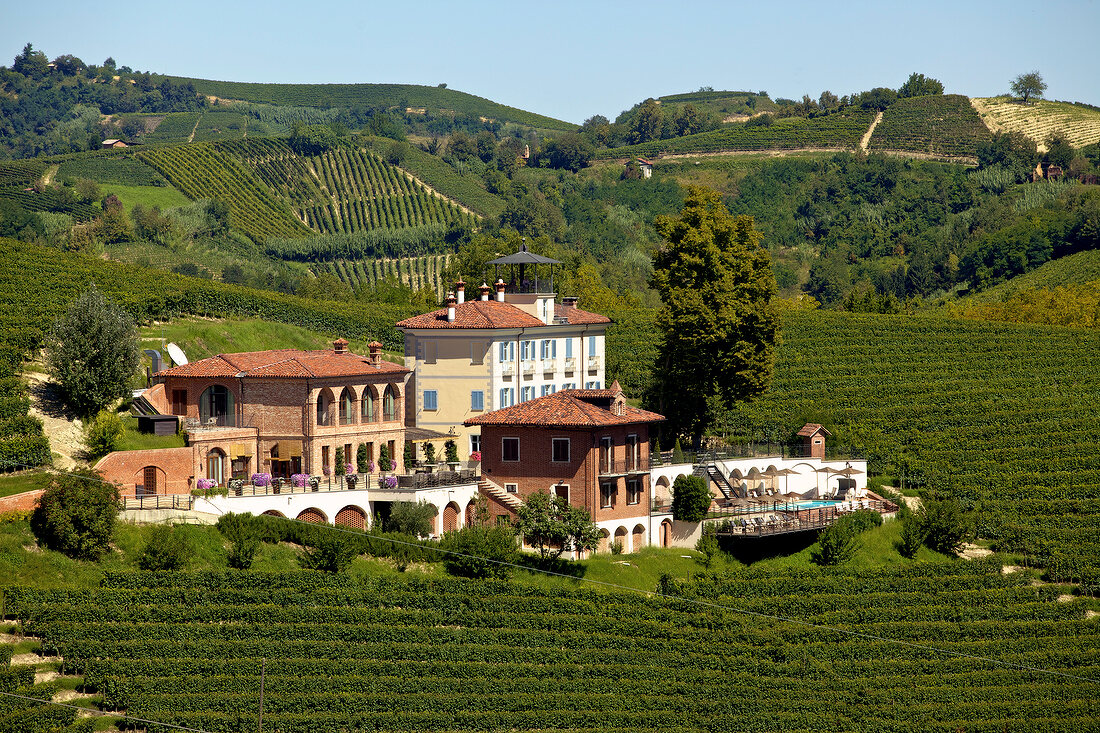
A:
(919, 85)
(76, 514)
(553, 526)
(1029, 85)
(717, 319)
(690, 499)
(92, 351)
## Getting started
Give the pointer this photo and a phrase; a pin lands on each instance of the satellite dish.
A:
(176, 354)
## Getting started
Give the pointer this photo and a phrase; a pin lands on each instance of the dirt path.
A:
(64, 430)
(866, 139)
(191, 137)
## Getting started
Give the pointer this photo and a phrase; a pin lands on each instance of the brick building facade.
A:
(280, 412)
(586, 445)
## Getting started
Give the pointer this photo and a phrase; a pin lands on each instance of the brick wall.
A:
(535, 471)
(20, 502)
(127, 469)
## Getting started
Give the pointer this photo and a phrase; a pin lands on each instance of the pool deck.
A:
(775, 518)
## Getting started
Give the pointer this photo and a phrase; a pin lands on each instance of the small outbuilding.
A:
(813, 440)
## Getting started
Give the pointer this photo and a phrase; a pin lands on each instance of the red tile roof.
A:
(284, 364)
(810, 428)
(570, 408)
(577, 316)
(475, 314)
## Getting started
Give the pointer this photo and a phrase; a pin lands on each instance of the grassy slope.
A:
(373, 95)
(164, 197)
(1080, 124)
(1076, 269)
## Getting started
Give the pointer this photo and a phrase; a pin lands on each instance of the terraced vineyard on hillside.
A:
(344, 190)
(1000, 415)
(202, 171)
(436, 99)
(449, 655)
(935, 125)
(1038, 119)
(839, 131)
(425, 272)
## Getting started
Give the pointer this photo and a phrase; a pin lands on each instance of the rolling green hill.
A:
(936, 647)
(838, 131)
(1000, 415)
(1079, 123)
(402, 96)
(936, 125)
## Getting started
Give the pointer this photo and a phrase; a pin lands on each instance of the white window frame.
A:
(554, 442)
(431, 399)
(503, 441)
(511, 488)
(475, 442)
(507, 352)
(637, 494)
(527, 394)
(549, 349)
(527, 351)
(507, 396)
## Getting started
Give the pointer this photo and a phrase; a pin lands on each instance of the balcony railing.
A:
(570, 363)
(620, 467)
(528, 367)
(507, 369)
(159, 501)
(593, 362)
(549, 366)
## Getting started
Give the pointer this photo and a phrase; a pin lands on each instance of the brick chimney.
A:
(340, 346)
(500, 290)
(375, 352)
(451, 307)
(460, 291)
(484, 289)
(568, 303)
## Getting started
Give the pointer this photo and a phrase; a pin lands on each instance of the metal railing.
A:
(748, 508)
(415, 481)
(621, 467)
(281, 486)
(159, 501)
(753, 450)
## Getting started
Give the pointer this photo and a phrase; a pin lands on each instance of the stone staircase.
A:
(491, 489)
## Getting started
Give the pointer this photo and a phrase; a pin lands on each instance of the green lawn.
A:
(164, 197)
(18, 483)
(133, 439)
(200, 338)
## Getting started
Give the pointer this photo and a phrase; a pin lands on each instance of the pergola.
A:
(519, 262)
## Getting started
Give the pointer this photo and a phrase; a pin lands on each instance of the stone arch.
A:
(450, 517)
(217, 403)
(351, 516)
(274, 513)
(637, 538)
(471, 513)
(346, 406)
(435, 519)
(666, 533)
(662, 491)
(621, 538)
(313, 514)
(325, 400)
(605, 542)
(391, 400)
(369, 411)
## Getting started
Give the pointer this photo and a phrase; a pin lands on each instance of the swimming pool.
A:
(815, 503)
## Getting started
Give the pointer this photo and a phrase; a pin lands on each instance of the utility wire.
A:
(697, 602)
(93, 711)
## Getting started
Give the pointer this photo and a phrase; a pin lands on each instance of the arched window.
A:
(215, 466)
(216, 407)
(389, 404)
(324, 402)
(347, 407)
(369, 409)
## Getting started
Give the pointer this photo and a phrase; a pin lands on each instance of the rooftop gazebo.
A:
(523, 280)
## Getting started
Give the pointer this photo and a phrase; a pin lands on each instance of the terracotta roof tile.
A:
(284, 364)
(810, 428)
(475, 314)
(572, 408)
(577, 316)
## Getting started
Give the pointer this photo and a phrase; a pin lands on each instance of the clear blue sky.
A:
(574, 59)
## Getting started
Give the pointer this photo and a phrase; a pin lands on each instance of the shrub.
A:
(690, 499)
(331, 552)
(429, 452)
(451, 451)
(76, 515)
(480, 552)
(945, 527)
(912, 536)
(102, 433)
(244, 533)
(166, 549)
(411, 518)
(836, 544)
(362, 459)
(708, 545)
(261, 479)
(341, 466)
(385, 463)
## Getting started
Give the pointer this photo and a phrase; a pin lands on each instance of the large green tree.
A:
(92, 351)
(553, 526)
(1029, 85)
(919, 85)
(76, 515)
(717, 318)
